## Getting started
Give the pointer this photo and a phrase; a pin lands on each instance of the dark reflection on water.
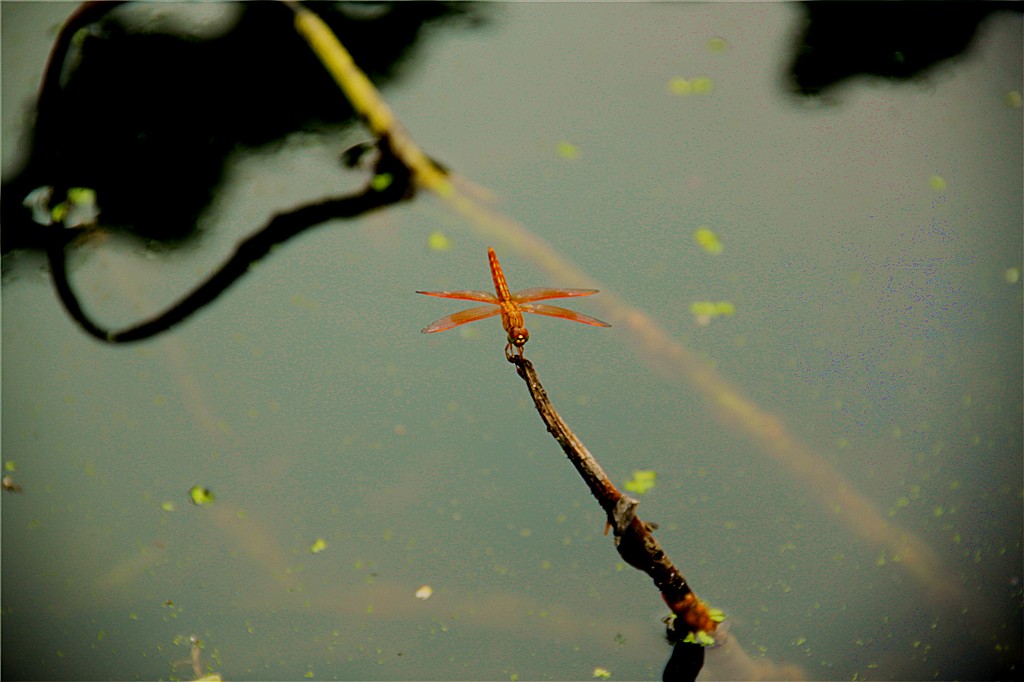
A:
(869, 251)
(842, 40)
(146, 117)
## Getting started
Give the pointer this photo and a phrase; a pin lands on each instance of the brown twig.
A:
(633, 537)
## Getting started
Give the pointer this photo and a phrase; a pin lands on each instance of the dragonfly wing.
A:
(462, 317)
(540, 293)
(564, 313)
(485, 296)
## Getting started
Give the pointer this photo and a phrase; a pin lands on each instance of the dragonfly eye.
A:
(518, 336)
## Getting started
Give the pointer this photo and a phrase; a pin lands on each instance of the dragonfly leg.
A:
(511, 350)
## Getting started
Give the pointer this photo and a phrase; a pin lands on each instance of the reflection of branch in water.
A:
(281, 227)
(836, 494)
(727, 660)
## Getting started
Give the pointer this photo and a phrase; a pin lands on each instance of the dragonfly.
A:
(510, 306)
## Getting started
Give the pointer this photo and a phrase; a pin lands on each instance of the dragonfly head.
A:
(518, 336)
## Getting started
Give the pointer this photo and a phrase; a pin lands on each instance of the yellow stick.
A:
(366, 100)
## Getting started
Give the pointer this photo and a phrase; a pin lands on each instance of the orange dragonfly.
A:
(510, 306)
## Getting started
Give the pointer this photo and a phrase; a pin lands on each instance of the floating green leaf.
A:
(680, 86)
(702, 84)
(200, 496)
(708, 240)
(438, 241)
(82, 195)
(642, 481)
(717, 44)
(690, 86)
(705, 311)
(700, 637)
(79, 209)
(567, 150)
